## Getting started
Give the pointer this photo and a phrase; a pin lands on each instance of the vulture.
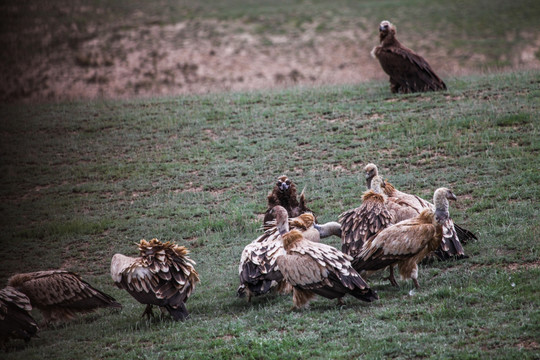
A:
(408, 71)
(412, 205)
(409, 241)
(163, 275)
(258, 271)
(284, 194)
(367, 220)
(316, 269)
(60, 294)
(16, 322)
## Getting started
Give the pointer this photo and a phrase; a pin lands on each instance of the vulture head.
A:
(283, 183)
(440, 199)
(282, 219)
(370, 171)
(386, 30)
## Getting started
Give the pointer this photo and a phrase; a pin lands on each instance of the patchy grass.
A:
(84, 180)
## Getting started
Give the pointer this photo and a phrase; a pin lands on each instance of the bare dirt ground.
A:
(211, 56)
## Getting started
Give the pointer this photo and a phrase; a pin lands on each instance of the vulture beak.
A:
(451, 196)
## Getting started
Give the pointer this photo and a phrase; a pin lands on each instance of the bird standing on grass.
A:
(284, 194)
(258, 270)
(163, 275)
(406, 243)
(409, 72)
(412, 205)
(60, 294)
(315, 268)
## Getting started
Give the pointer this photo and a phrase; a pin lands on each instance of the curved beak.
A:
(451, 196)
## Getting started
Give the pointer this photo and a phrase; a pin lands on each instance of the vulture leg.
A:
(340, 302)
(148, 313)
(391, 277)
(416, 285)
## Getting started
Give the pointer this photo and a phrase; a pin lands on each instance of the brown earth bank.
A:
(197, 57)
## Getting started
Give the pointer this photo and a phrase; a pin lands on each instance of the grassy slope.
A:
(81, 181)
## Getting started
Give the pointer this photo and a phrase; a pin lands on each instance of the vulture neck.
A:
(389, 40)
(441, 209)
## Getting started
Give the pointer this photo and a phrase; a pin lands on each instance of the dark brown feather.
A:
(16, 321)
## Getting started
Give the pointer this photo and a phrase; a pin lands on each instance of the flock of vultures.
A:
(389, 228)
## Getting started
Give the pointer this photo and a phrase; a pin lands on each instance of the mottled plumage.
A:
(163, 275)
(284, 194)
(16, 321)
(60, 294)
(412, 205)
(407, 242)
(408, 71)
(317, 269)
(258, 271)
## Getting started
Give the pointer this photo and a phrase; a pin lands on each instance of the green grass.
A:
(81, 181)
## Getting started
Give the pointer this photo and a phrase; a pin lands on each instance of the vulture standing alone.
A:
(163, 275)
(16, 322)
(412, 205)
(409, 72)
(315, 268)
(409, 241)
(60, 294)
(284, 194)
(258, 271)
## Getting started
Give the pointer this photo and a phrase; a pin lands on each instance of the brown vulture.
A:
(284, 194)
(258, 271)
(408, 71)
(60, 294)
(163, 275)
(412, 205)
(316, 269)
(407, 242)
(16, 322)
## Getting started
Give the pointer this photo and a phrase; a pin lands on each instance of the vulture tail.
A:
(464, 235)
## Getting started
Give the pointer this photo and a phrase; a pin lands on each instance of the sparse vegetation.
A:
(84, 180)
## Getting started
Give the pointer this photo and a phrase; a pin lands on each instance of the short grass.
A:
(81, 181)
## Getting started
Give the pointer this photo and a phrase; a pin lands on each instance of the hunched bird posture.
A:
(258, 270)
(366, 221)
(315, 268)
(409, 72)
(16, 322)
(163, 275)
(412, 205)
(407, 242)
(60, 294)
(284, 194)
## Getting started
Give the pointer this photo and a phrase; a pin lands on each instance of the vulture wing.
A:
(405, 240)
(163, 276)
(323, 270)
(258, 269)
(358, 225)
(15, 318)
(409, 70)
(60, 294)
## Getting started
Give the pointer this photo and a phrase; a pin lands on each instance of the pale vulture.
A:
(60, 294)
(16, 321)
(407, 242)
(258, 271)
(412, 205)
(408, 71)
(163, 275)
(316, 269)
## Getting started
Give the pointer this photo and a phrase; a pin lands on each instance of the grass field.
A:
(81, 181)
